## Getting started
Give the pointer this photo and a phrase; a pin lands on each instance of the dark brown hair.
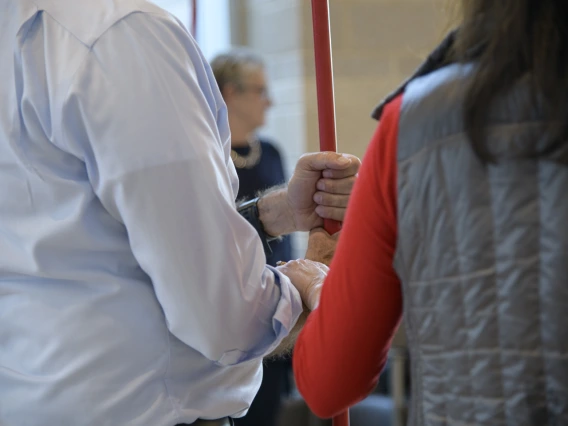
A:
(510, 40)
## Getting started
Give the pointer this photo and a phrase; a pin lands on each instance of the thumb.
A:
(317, 231)
(322, 233)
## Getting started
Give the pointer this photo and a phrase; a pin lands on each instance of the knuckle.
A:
(330, 185)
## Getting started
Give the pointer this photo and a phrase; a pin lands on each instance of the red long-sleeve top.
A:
(344, 345)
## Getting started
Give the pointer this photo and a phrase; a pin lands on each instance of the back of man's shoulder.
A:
(87, 20)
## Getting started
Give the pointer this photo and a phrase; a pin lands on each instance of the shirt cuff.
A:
(288, 310)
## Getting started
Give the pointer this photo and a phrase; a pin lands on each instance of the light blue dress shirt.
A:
(131, 291)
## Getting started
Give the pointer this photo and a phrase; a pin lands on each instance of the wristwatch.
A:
(249, 210)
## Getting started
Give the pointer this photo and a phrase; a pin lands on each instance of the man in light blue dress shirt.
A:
(131, 290)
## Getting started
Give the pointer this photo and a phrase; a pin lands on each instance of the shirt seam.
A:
(103, 32)
(75, 74)
(46, 12)
(18, 116)
(24, 38)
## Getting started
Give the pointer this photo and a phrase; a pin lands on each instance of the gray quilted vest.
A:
(482, 254)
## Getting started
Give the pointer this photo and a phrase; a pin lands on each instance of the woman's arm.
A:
(344, 346)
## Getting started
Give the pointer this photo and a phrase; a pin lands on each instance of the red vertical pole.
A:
(341, 419)
(194, 18)
(324, 83)
(326, 108)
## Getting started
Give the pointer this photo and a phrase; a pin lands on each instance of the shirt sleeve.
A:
(344, 345)
(145, 115)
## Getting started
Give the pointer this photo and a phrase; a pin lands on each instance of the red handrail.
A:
(326, 108)
(324, 83)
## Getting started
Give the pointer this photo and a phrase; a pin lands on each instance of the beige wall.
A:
(376, 45)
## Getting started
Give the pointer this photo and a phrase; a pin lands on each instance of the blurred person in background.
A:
(460, 209)
(240, 74)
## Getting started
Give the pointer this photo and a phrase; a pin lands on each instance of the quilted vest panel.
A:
(483, 257)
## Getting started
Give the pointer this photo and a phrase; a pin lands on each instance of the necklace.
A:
(249, 160)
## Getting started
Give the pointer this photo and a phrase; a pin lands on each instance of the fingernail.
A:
(318, 198)
(343, 161)
(321, 185)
